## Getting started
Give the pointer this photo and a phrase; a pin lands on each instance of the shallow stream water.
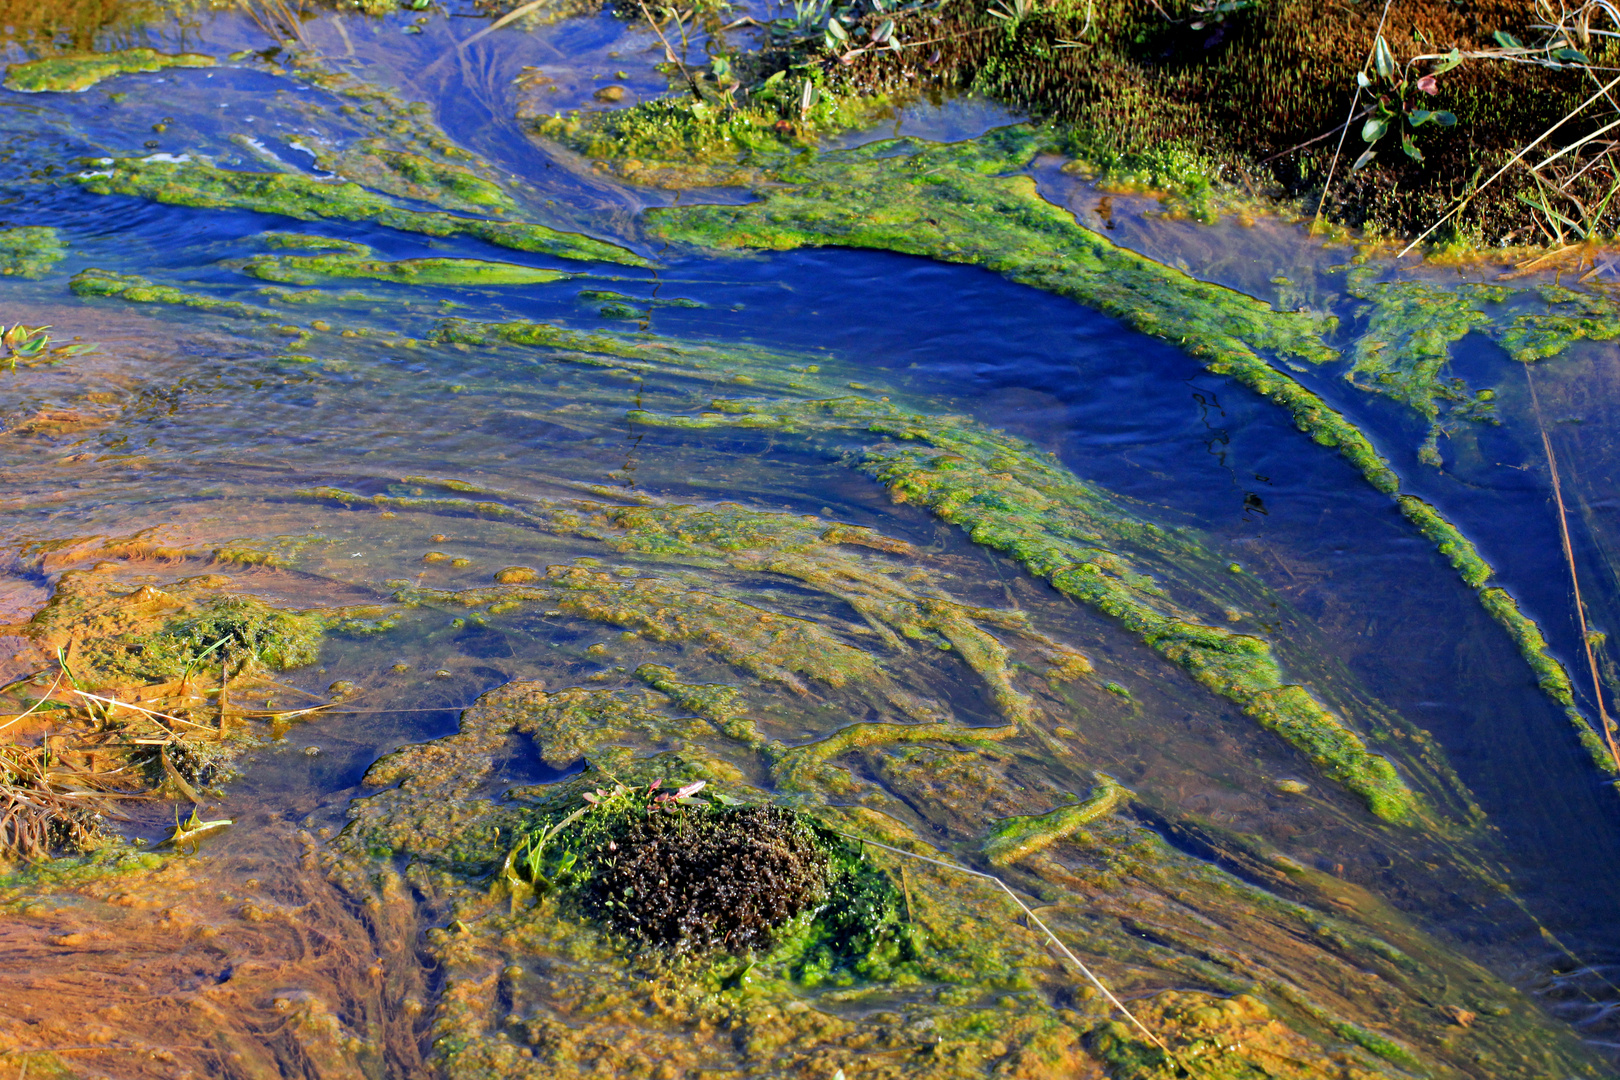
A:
(193, 442)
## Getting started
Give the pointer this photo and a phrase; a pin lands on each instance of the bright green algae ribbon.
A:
(306, 198)
(139, 290)
(1010, 497)
(968, 203)
(313, 269)
(69, 74)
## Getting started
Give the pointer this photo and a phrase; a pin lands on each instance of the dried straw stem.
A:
(1574, 578)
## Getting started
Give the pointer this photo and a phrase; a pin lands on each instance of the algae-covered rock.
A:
(70, 74)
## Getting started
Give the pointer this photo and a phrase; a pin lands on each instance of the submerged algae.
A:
(194, 183)
(416, 176)
(968, 202)
(1009, 497)
(135, 288)
(30, 251)
(1571, 316)
(896, 600)
(70, 74)
(531, 988)
(1017, 837)
(1411, 326)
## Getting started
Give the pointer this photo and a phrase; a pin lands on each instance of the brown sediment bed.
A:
(248, 963)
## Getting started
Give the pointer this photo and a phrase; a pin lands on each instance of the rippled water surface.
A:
(348, 450)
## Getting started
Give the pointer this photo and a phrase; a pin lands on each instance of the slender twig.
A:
(511, 16)
(669, 53)
(1574, 578)
(137, 708)
(1328, 134)
(1064, 949)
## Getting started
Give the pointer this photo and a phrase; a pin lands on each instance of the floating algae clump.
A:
(963, 202)
(193, 183)
(30, 251)
(543, 977)
(1571, 316)
(312, 269)
(1406, 348)
(1008, 496)
(1017, 837)
(74, 73)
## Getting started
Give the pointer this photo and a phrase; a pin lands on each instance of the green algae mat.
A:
(530, 558)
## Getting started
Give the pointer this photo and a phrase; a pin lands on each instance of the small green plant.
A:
(31, 346)
(1397, 108)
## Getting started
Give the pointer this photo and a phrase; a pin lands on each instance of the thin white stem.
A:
(1355, 103)
(1064, 949)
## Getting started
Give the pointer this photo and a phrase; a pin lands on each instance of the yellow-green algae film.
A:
(30, 251)
(71, 74)
(307, 198)
(313, 269)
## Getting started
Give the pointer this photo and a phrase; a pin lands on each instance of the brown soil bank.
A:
(1260, 91)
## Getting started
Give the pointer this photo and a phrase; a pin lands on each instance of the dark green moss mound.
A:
(705, 882)
(233, 630)
(688, 877)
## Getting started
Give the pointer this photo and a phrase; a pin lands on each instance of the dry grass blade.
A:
(1574, 578)
(279, 21)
